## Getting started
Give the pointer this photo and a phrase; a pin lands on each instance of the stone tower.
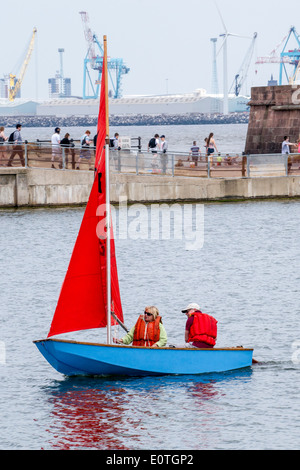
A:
(274, 114)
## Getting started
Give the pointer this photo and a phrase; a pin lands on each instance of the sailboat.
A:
(90, 297)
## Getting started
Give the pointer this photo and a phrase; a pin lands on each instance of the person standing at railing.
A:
(67, 144)
(195, 152)
(66, 141)
(115, 146)
(285, 150)
(286, 144)
(85, 152)
(164, 156)
(17, 146)
(115, 142)
(153, 147)
(56, 150)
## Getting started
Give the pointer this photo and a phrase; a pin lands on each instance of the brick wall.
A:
(274, 113)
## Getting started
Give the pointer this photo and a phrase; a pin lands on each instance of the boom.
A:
(286, 57)
(14, 86)
(243, 72)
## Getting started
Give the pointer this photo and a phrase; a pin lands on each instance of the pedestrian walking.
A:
(16, 139)
(3, 139)
(211, 145)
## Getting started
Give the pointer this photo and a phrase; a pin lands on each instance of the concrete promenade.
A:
(20, 187)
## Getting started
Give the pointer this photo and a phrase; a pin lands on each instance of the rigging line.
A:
(119, 321)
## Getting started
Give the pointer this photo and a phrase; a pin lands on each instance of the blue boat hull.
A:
(88, 359)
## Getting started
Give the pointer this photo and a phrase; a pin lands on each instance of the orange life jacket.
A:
(203, 329)
(146, 334)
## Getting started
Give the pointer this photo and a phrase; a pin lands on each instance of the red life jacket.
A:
(146, 334)
(203, 329)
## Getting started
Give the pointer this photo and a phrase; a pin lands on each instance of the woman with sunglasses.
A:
(148, 331)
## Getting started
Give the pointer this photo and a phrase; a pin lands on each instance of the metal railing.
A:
(141, 162)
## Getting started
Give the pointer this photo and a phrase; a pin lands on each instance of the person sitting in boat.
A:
(148, 331)
(200, 329)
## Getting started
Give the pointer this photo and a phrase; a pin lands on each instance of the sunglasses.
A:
(148, 314)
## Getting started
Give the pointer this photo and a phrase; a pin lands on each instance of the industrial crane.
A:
(14, 83)
(95, 62)
(286, 57)
(243, 72)
(294, 78)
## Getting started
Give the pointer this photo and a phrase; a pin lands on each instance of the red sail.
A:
(82, 304)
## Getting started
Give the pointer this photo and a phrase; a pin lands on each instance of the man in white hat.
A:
(200, 329)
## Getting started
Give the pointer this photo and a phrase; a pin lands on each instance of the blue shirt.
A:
(18, 137)
(285, 147)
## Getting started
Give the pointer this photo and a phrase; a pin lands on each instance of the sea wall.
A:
(274, 114)
(43, 187)
(127, 120)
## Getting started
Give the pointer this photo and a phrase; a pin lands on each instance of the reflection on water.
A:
(118, 414)
(85, 417)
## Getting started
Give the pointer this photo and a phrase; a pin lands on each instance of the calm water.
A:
(246, 275)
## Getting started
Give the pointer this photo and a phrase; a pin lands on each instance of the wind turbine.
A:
(225, 35)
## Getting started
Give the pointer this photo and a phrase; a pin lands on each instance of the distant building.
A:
(4, 87)
(67, 87)
(59, 87)
(195, 102)
(272, 82)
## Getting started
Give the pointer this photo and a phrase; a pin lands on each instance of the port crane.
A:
(241, 76)
(286, 57)
(14, 82)
(294, 78)
(116, 67)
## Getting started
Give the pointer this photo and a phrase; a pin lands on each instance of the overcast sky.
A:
(166, 43)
